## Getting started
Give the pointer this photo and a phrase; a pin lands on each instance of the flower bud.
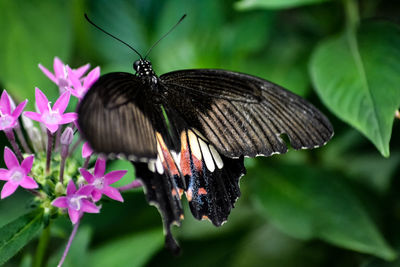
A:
(67, 136)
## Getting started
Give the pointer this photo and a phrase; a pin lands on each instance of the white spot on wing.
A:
(159, 167)
(194, 145)
(207, 156)
(216, 157)
(151, 165)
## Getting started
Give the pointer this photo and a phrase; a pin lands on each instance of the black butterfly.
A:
(187, 132)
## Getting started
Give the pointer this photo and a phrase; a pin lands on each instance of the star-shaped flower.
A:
(9, 115)
(101, 183)
(77, 202)
(54, 116)
(16, 174)
(79, 88)
(60, 76)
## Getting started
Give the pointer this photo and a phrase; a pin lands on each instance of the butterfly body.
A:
(187, 132)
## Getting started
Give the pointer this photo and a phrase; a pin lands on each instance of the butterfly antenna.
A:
(180, 20)
(109, 34)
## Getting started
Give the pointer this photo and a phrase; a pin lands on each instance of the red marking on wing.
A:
(167, 160)
(202, 191)
(185, 157)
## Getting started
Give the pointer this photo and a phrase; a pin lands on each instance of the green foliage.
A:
(134, 250)
(357, 77)
(309, 203)
(29, 39)
(16, 234)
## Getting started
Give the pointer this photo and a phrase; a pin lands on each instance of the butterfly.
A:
(187, 132)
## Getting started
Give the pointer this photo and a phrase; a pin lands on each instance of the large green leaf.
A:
(32, 32)
(275, 4)
(134, 250)
(308, 203)
(357, 77)
(16, 234)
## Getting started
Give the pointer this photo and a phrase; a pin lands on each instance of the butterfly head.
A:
(143, 68)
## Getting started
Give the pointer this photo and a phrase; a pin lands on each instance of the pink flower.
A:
(77, 202)
(9, 115)
(60, 76)
(87, 151)
(16, 175)
(80, 88)
(54, 116)
(101, 183)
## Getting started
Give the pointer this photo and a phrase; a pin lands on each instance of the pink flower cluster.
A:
(82, 200)
(53, 116)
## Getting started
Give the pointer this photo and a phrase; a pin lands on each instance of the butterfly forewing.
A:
(116, 117)
(244, 115)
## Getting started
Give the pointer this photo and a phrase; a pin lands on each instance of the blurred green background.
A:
(334, 206)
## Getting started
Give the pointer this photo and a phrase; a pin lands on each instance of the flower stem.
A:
(11, 139)
(71, 238)
(49, 150)
(86, 163)
(134, 184)
(58, 137)
(42, 247)
(22, 139)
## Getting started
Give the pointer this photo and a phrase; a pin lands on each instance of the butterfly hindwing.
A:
(116, 116)
(244, 115)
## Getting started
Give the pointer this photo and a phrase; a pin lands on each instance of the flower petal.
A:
(48, 74)
(99, 167)
(71, 189)
(5, 103)
(87, 206)
(33, 115)
(68, 117)
(41, 100)
(81, 70)
(114, 176)
(92, 76)
(74, 79)
(86, 150)
(62, 102)
(60, 202)
(52, 127)
(87, 175)
(96, 195)
(10, 159)
(27, 164)
(58, 68)
(8, 189)
(28, 183)
(18, 110)
(4, 174)
(113, 193)
(85, 190)
(74, 215)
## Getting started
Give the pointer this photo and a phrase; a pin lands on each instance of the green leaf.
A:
(308, 203)
(275, 4)
(357, 77)
(33, 34)
(134, 250)
(16, 234)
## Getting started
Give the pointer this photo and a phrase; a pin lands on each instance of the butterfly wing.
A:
(244, 115)
(116, 115)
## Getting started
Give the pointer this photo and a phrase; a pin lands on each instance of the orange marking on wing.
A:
(167, 160)
(185, 156)
(189, 195)
(205, 217)
(182, 217)
(180, 191)
(174, 192)
(202, 191)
